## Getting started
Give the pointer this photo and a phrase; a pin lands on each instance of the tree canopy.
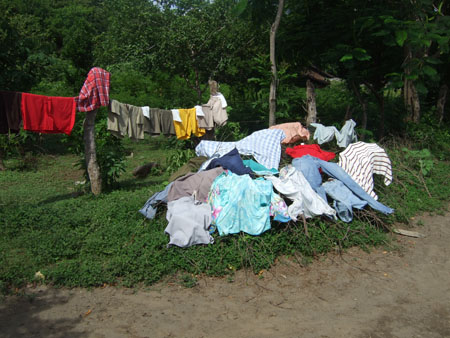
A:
(172, 48)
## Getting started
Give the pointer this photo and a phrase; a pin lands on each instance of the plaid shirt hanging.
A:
(95, 90)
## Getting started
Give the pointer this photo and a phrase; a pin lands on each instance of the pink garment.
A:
(294, 132)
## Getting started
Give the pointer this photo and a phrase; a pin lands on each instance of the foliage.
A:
(230, 132)
(423, 158)
(288, 99)
(429, 134)
(177, 159)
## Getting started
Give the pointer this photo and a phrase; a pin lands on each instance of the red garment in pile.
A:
(310, 149)
(95, 90)
(48, 114)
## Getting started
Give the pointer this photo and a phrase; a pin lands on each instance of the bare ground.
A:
(384, 293)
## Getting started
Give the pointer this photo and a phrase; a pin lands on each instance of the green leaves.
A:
(239, 8)
(400, 37)
(358, 54)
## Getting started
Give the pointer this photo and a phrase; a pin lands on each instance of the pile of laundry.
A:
(218, 190)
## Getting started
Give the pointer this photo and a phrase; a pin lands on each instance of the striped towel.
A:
(361, 160)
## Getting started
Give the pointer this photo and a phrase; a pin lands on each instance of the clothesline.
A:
(47, 114)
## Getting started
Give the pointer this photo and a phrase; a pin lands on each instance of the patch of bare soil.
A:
(400, 293)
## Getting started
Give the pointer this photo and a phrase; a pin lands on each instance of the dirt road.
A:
(400, 293)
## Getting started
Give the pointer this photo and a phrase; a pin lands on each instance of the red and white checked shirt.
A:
(95, 90)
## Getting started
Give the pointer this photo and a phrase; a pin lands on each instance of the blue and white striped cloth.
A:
(264, 145)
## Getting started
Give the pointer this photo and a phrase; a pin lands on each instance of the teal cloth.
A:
(259, 169)
(240, 203)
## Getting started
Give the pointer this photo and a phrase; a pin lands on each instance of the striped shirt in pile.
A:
(361, 160)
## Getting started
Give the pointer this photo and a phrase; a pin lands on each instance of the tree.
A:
(200, 40)
(273, 83)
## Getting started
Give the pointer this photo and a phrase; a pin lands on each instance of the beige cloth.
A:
(294, 132)
(160, 122)
(219, 114)
(199, 182)
(125, 119)
(206, 121)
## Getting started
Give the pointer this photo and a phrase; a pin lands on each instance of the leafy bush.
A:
(230, 132)
(178, 159)
(429, 134)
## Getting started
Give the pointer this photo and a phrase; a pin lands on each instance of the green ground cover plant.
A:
(52, 226)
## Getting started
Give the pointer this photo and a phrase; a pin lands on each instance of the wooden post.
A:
(90, 153)
(2, 166)
(213, 87)
(311, 102)
(441, 102)
(274, 82)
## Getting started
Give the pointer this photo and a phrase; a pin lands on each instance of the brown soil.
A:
(399, 293)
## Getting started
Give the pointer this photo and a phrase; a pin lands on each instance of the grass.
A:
(74, 239)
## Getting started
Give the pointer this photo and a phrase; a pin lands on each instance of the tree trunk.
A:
(90, 153)
(363, 104)
(311, 103)
(380, 99)
(2, 166)
(410, 95)
(440, 106)
(274, 82)
(412, 102)
(382, 117)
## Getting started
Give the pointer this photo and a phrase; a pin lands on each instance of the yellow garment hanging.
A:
(188, 126)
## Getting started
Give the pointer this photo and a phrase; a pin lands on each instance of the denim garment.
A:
(149, 208)
(310, 166)
(344, 199)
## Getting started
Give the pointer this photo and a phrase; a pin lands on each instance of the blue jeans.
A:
(344, 199)
(310, 165)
